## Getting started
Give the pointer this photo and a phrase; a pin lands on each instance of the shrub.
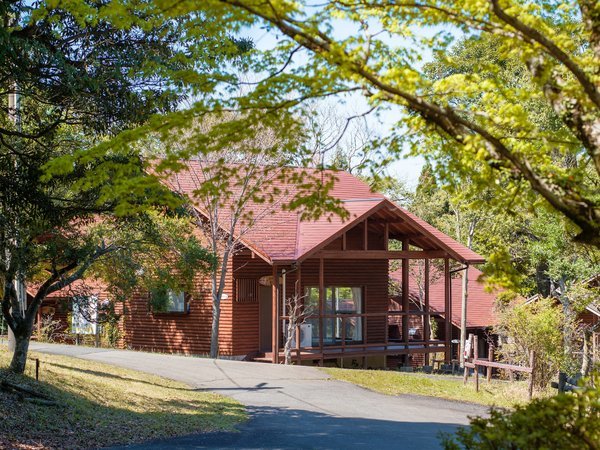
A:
(565, 421)
(538, 327)
(50, 330)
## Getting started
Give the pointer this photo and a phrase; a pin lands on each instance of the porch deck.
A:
(359, 351)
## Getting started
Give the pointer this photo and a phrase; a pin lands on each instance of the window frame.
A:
(330, 295)
(174, 313)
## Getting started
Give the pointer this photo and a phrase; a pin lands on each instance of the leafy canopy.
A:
(481, 124)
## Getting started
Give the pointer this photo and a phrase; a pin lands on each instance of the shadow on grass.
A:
(271, 427)
(112, 375)
(80, 422)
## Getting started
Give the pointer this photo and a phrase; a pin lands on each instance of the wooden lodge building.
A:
(340, 268)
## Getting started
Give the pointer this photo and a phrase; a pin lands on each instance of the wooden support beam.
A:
(299, 295)
(427, 316)
(463, 314)
(476, 357)
(405, 294)
(386, 236)
(381, 254)
(275, 313)
(366, 234)
(447, 310)
(321, 304)
(344, 245)
(490, 359)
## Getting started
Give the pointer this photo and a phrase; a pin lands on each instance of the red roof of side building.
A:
(81, 287)
(280, 235)
(480, 303)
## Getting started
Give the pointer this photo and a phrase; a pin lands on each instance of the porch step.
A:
(263, 357)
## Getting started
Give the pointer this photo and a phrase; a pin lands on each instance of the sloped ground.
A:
(293, 407)
(498, 393)
(101, 405)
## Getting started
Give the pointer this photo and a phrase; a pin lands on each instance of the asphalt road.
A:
(293, 407)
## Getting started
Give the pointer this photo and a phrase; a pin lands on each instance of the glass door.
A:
(340, 301)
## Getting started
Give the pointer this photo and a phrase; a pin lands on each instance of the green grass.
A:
(102, 405)
(497, 393)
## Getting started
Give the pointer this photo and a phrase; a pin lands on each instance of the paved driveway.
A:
(293, 407)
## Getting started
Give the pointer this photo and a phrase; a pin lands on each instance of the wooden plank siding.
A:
(245, 331)
(186, 333)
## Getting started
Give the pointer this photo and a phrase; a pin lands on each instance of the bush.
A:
(538, 327)
(50, 330)
(565, 421)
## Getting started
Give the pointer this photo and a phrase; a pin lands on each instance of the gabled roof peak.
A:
(280, 236)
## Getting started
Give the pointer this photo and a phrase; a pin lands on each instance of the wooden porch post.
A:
(426, 325)
(463, 314)
(386, 236)
(447, 311)
(405, 298)
(298, 292)
(321, 305)
(275, 298)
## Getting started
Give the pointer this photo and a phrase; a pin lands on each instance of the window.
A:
(164, 300)
(246, 290)
(84, 315)
(176, 301)
(339, 301)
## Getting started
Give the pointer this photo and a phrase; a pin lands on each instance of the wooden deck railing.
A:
(404, 343)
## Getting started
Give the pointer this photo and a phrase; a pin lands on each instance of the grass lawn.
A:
(498, 393)
(101, 405)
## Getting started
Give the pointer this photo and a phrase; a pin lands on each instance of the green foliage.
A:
(513, 110)
(539, 327)
(155, 252)
(74, 180)
(565, 421)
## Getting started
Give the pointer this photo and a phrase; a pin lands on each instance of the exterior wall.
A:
(372, 275)
(246, 315)
(588, 318)
(186, 333)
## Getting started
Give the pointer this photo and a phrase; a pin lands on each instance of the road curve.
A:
(291, 406)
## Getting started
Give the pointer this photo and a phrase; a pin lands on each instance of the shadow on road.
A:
(272, 428)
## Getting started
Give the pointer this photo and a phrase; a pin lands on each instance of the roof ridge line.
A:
(368, 199)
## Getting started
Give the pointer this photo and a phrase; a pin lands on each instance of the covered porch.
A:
(342, 284)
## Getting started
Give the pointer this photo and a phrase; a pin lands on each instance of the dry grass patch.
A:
(102, 405)
(497, 393)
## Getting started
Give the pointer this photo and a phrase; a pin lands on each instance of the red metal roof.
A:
(480, 303)
(280, 235)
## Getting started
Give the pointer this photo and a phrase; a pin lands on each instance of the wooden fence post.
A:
(37, 369)
(490, 359)
(476, 357)
(531, 378)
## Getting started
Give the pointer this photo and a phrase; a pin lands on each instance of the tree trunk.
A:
(19, 359)
(214, 336)
(287, 349)
(586, 362)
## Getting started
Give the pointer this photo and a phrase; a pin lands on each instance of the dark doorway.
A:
(266, 318)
